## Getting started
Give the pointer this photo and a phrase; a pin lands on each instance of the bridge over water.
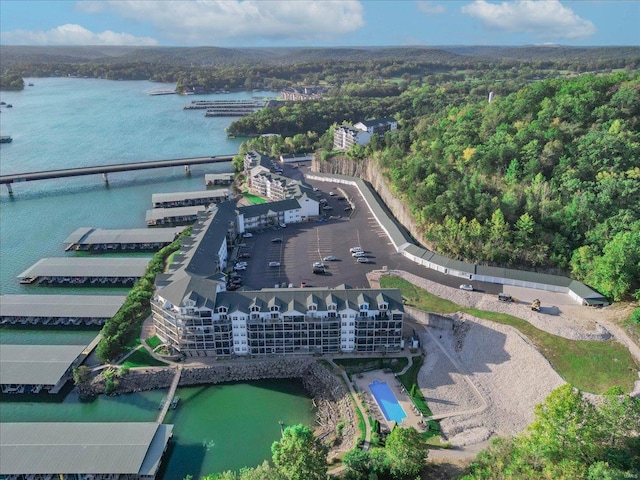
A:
(106, 169)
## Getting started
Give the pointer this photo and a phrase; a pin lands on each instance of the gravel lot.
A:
(483, 378)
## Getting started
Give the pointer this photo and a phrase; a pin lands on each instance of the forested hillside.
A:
(545, 177)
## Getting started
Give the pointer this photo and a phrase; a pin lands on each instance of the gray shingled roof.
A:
(87, 267)
(297, 299)
(36, 364)
(82, 448)
(87, 306)
(93, 236)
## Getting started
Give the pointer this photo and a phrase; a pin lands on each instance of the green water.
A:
(227, 427)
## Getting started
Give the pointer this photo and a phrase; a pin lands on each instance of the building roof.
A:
(94, 236)
(74, 306)
(36, 364)
(87, 267)
(298, 299)
(377, 121)
(82, 448)
(268, 208)
(160, 213)
(179, 196)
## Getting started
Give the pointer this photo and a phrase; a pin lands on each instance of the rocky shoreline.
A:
(329, 394)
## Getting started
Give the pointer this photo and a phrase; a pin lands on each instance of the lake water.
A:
(70, 122)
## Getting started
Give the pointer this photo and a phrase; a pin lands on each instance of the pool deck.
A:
(362, 381)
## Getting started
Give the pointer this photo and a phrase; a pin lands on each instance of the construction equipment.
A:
(535, 305)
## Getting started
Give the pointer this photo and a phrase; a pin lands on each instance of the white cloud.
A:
(544, 18)
(431, 8)
(71, 34)
(206, 22)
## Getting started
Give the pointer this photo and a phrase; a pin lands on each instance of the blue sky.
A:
(231, 23)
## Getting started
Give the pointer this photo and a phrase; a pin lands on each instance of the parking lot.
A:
(339, 230)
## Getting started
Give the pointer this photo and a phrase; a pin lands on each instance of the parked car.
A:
(240, 268)
(245, 255)
(274, 264)
(318, 270)
(233, 287)
(341, 198)
(348, 209)
(503, 297)
(332, 194)
(283, 225)
(327, 207)
(303, 284)
(329, 258)
(467, 287)
(319, 265)
(358, 254)
(247, 235)
(291, 284)
(363, 260)
(276, 240)
(355, 249)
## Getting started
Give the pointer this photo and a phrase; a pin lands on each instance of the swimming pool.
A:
(387, 401)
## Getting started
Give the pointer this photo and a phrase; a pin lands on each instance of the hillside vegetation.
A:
(548, 176)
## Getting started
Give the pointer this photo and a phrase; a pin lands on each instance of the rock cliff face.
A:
(369, 171)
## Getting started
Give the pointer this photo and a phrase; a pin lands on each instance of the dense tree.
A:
(570, 438)
(298, 455)
(407, 452)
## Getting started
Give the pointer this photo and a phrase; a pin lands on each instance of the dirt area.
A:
(483, 379)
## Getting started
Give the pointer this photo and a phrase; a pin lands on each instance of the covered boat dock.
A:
(158, 217)
(32, 368)
(58, 309)
(85, 271)
(189, 199)
(75, 450)
(89, 239)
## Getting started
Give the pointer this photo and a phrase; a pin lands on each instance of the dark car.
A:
(318, 270)
(276, 240)
(347, 209)
(245, 255)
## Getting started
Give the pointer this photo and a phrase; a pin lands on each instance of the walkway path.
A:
(169, 397)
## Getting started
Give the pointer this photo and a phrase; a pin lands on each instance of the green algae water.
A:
(72, 122)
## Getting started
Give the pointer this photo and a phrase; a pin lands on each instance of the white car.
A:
(247, 235)
(355, 249)
(332, 194)
(239, 268)
(241, 264)
(283, 225)
(318, 265)
(329, 258)
(358, 254)
(468, 288)
(274, 264)
(327, 207)
(363, 260)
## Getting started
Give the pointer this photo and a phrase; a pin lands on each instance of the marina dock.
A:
(87, 239)
(188, 199)
(33, 368)
(78, 271)
(158, 217)
(58, 309)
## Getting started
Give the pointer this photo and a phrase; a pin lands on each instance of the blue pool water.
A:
(387, 401)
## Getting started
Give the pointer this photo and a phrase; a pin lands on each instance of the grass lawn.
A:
(153, 342)
(358, 365)
(590, 366)
(254, 199)
(142, 358)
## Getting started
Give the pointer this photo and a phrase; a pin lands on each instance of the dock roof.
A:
(134, 448)
(178, 196)
(74, 306)
(36, 364)
(94, 236)
(87, 267)
(160, 213)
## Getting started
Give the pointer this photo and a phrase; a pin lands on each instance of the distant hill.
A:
(204, 56)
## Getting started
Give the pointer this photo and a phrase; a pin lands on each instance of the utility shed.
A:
(131, 450)
(36, 364)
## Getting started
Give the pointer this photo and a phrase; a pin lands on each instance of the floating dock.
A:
(58, 309)
(89, 239)
(85, 271)
(214, 179)
(33, 368)
(189, 199)
(6, 139)
(158, 217)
